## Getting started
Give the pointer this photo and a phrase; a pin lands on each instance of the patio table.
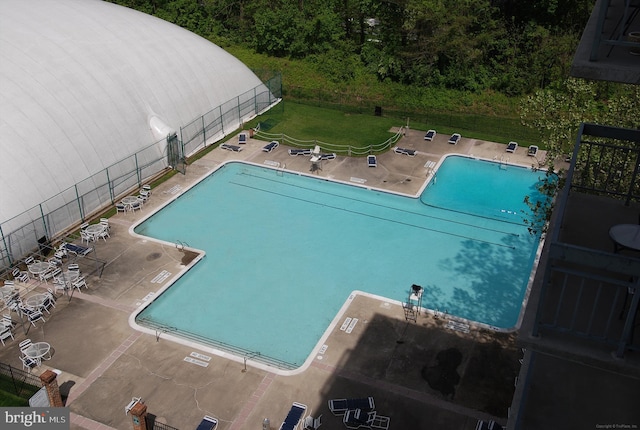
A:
(95, 230)
(625, 236)
(38, 350)
(38, 268)
(35, 301)
(129, 201)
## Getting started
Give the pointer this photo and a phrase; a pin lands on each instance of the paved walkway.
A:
(104, 362)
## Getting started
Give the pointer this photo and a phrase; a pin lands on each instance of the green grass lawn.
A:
(331, 126)
(337, 127)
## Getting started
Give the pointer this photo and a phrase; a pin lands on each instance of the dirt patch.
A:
(188, 257)
(153, 256)
(444, 375)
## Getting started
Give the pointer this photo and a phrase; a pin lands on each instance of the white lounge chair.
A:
(532, 151)
(233, 148)
(512, 146)
(208, 423)
(341, 406)
(455, 138)
(380, 422)
(270, 146)
(372, 161)
(293, 417)
(430, 135)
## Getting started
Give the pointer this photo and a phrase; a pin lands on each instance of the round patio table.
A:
(129, 201)
(70, 276)
(38, 350)
(95, 230)
(35, 301)
(38, 268)
(6, 290)
(625, 236)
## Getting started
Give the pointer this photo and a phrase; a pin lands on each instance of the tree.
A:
(557, 114)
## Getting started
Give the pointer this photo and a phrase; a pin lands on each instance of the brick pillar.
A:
(48, 378)
(139, 416)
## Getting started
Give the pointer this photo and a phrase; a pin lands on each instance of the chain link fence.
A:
(35, 228)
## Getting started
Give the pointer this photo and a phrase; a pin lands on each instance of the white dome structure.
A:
(85, 84)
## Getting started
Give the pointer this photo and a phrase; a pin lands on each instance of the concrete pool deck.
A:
(104, 363)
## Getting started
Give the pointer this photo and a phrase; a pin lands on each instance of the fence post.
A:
(139, 416)
(49, 381)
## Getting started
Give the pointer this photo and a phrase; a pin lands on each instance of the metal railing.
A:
(235, 350)
(19, 382)
(589, 293)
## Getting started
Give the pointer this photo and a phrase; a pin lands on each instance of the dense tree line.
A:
(509, 46)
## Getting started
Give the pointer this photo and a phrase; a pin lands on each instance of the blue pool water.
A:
(284, 251)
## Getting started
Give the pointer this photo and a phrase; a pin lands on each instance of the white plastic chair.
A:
(25, 344)
(84, 236)
(19, 275)
(80, 283)
(29, 363)
(7, 333)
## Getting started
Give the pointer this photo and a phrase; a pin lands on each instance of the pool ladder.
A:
(181, 245)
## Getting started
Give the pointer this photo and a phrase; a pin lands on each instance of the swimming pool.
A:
(284, 251)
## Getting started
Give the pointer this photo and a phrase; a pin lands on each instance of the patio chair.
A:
(242, 138)
(270, 146)
(50, 274)
(24, 345)
(5, 334)
(32, 315)
(143, 196)
(294, 152)
(311, 423)
(234, 148)
(47, 304)
(455, 138)
(84, 236)
(511, 147)
(121, 208)
(207, 423)
(380, 422)
(532, 151)
(356, 418)
(29, 260)
(19, 275)
(7, 321)
(294, 416)
(372, 161)
(430, 135)
(51, 294)
(80, 283)
(29, 363)
(341, 406)
(147, 188)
